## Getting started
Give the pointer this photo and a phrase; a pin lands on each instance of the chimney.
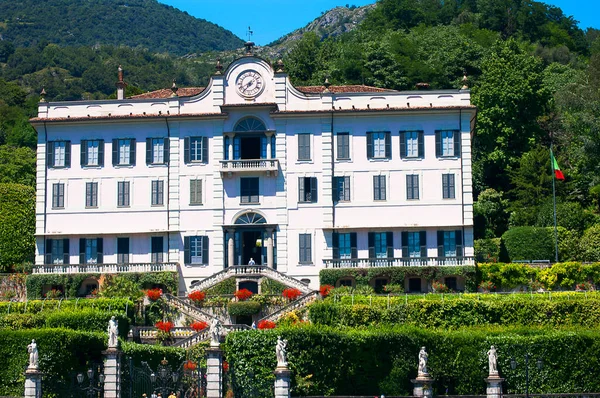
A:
(121, 85)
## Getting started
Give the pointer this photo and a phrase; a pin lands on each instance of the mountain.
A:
(133, 23)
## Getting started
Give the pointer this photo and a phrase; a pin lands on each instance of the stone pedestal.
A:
(33, 383)
(282, 382)
(112, 373)
(214, 372)
(494, 386)
(423, 386)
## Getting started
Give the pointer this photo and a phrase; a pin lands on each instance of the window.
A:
(91, 251)
(447, 143)
(123, 194)
(379, 145)
(249, 190)
(341, 189)
(58, 154)
(412, 144)
(195, 192)
(123, 152)
(450, 243)
(196, 150)
(57, 251)
(343, 145)
(414, 285)
(448, 186)
(379, 187)
(196, 249)
(305, 245)
(122, 250)
(158, 193)
(412, 186)
(156, 244)
(344, 246)
(91, 194)
(157, 150)
(381, 245)
(58, 196)
(414, 244)
(307, 189)
(92, 153)
(303, 146)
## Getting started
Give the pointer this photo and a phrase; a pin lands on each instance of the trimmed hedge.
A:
(17, 225)
(245, 308)
(72, 282)
(34, 306)
(452, 314)
(222, 288)
(270, 286)
(397, 275)
(328, 361)
(529, 243)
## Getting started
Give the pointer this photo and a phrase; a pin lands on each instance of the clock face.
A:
(250, 83)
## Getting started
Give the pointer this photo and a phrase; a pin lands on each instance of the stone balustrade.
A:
(103, 268)
(400, 262)
(250, 166)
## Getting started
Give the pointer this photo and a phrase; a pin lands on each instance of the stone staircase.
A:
(252, 271)
(188, 309)
(294, 305)
(204, 335)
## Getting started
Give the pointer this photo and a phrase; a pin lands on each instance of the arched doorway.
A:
(250, 240)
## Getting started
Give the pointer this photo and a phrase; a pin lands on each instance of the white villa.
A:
(250, 167)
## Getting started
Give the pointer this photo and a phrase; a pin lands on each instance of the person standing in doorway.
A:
(251, 262)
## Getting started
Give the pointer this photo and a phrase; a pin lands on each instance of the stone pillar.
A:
(269, 134)
(33, 383)
(423, 386)
(230, 249)
(214, 372)
(112, 373)
(230, 146)
(282, 382)
(270, 248)
(494, 387)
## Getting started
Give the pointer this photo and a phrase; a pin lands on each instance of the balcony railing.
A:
(103, 268)
(250, 166)
(399, 262)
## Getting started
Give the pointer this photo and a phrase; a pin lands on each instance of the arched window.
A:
(250, 124)
(250, 218)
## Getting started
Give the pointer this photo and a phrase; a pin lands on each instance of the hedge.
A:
(397, 275)
(453, 314)
(72, 282)
(245, 308)
(328, 361)
(529, 243)
(34, 306)
(17, 225)
(222, 288)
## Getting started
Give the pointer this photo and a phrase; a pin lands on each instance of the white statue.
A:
(113, 331)
(422, 370)
(33, 355)
(493, 361)
(215, 333)
(281, 352)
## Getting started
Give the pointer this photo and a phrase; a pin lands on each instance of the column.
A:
(269, 134)
(282, 382)
(230, 146)
(214, 372)
(494, 387)
(112, 373)
(270, 248)
(33, 383)
(230, 248)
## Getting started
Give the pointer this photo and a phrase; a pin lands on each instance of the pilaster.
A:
(214, 372)
(281, 195)
(327, 176)
(217, 200)
(281, 80)
(112, 373)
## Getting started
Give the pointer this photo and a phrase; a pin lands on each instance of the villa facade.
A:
(250, 167)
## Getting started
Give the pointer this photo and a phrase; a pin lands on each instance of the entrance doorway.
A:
(250, 147)
(252, 247)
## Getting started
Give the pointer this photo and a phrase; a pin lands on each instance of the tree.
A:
(17, 165)
(17, 225)
(302, 62)
(491, 216)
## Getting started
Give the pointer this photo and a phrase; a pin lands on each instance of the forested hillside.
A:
(534, 75)
(134, 23)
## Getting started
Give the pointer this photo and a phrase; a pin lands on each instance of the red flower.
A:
(264, 324)
(291, 293)
(154, 294)
(325, 290)
(198, 326)
(197, 296)
(189, 365)
(225, 366)
(164, 326)
(243, 294)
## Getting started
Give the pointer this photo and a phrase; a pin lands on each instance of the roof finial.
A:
(249, 44)
(120, 69)
(219, 67)
(43, 95)
(174, 89)
(280, 66)
(327, 85)
(465, 81)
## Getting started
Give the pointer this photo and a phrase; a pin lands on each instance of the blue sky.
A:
(271, 19)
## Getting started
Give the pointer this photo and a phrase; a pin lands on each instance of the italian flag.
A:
(557, 173)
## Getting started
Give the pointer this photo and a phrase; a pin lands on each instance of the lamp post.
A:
(165, 377)
(94, 387)
(513, 365)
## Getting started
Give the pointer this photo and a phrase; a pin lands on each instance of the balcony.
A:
(400, 262)
(269, 166)
(102, 268)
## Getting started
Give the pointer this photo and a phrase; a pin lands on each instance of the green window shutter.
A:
(204, 149)
(440, 243)
(336, 189)
(459, 243)
(405, 252)
(148, 150)
(166, 150)
(389, 241)
(456, 136)
(371, 245)
(421, 138)
(313, 189)
(81, 250)
(115, 152)
(438, 144)
(301, 197)
(335, 243)
(101, 153)
(186, 150)
(48, 251)
(423, 243)
(388, 145)
(205, 250)
(353, 246)
(187, 257)
(347, 188)
(66, 259)
(68, 154)
(100, 250)
(402, 144)
(83, 156)
(132, 151)
(369, 145)
(50, 153)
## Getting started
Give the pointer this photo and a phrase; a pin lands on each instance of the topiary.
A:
(529, 243)
(589, 246)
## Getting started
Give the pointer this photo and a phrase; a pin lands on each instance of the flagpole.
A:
(554, 204)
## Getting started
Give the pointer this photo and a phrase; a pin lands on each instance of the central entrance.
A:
(252, 244)
(251, 238)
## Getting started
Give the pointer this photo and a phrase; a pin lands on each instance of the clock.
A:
(250, 83)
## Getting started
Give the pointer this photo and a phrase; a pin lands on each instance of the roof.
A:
(121, 117)
(354, 88)
(167, 93)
